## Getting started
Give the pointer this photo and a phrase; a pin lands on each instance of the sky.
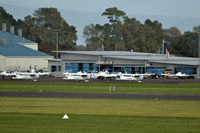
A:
(183, 8)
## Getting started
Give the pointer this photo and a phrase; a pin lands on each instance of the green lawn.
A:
(22, 115)
(101, 87)
(53, 123)
(44, 115)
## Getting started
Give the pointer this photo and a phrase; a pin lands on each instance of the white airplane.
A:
(21, 75)
(177, 75)
(44, 73)
(106, 75)
(76, 76)
(26, 76)
(8, 73)
(94, 75)
(136, 77)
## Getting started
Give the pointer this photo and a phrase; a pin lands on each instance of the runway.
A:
(99, 95)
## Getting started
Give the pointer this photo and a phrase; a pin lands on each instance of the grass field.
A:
(44, 115)
(22, 115)
(101, 87)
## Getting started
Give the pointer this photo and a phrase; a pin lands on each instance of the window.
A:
(53, 68)
(59, 68)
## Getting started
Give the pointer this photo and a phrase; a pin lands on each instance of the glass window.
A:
(53, 68)
(59, 68)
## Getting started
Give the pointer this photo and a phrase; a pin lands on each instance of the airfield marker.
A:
(65, 116)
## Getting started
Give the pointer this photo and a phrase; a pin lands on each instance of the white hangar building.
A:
(131, 62)
(18, 53)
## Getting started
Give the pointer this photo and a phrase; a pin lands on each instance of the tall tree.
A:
(41, 27)
(132, 35)
(93, 35)
(114, 15)
(153, 35)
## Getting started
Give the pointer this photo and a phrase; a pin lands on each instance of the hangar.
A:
(131, 62)
(18, 53)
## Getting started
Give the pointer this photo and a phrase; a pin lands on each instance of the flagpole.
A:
(163, 47)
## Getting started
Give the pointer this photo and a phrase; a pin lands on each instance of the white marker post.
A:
(65, 116)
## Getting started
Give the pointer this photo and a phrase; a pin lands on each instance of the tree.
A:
(93, 35)
(172, 32)
(114, 15)
(196, 28)
(186, 45)
(6, 17)
(10, 21)
(41, 27)
(132, 35)
(153, 35)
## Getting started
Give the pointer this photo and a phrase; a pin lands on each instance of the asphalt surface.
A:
(144, 81)
(152, 81)
(99, 95)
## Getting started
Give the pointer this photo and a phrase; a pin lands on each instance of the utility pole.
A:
(56, 31)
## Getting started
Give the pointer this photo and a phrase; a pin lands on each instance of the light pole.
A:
(57, 31)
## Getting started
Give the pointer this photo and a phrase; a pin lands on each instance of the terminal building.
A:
(122, 61)
(18, 53)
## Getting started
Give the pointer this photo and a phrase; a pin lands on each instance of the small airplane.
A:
(106, 75)
(44, 73)
(177, 75)
(27, 75)
(8, 73)
(76, 76)
(135, 77)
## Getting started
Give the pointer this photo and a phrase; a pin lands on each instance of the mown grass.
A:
(44, 115)
(177, 108)
(53, 123)
(100, 87)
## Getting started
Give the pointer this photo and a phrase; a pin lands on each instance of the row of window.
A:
(89, 67)
(75, 67)
(55, 68)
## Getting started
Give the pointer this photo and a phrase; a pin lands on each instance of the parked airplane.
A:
(122, 76)
(76, 76)
(106, 75)
(177, 75)
(20, 75)
(44, 73)
(27, 76)
(8, 73)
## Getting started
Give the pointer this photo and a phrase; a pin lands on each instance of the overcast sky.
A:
(184, 8)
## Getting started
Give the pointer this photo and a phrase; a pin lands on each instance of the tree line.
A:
(120, 33)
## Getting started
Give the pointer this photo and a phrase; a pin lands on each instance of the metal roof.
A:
(161, 59)
(151, 57)
(108, 53)
(9, 46)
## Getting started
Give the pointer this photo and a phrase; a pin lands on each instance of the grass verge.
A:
(44, 115)
(101, 87)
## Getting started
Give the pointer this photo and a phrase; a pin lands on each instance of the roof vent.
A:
(20, 32)
(4, 27)
(12, 30)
